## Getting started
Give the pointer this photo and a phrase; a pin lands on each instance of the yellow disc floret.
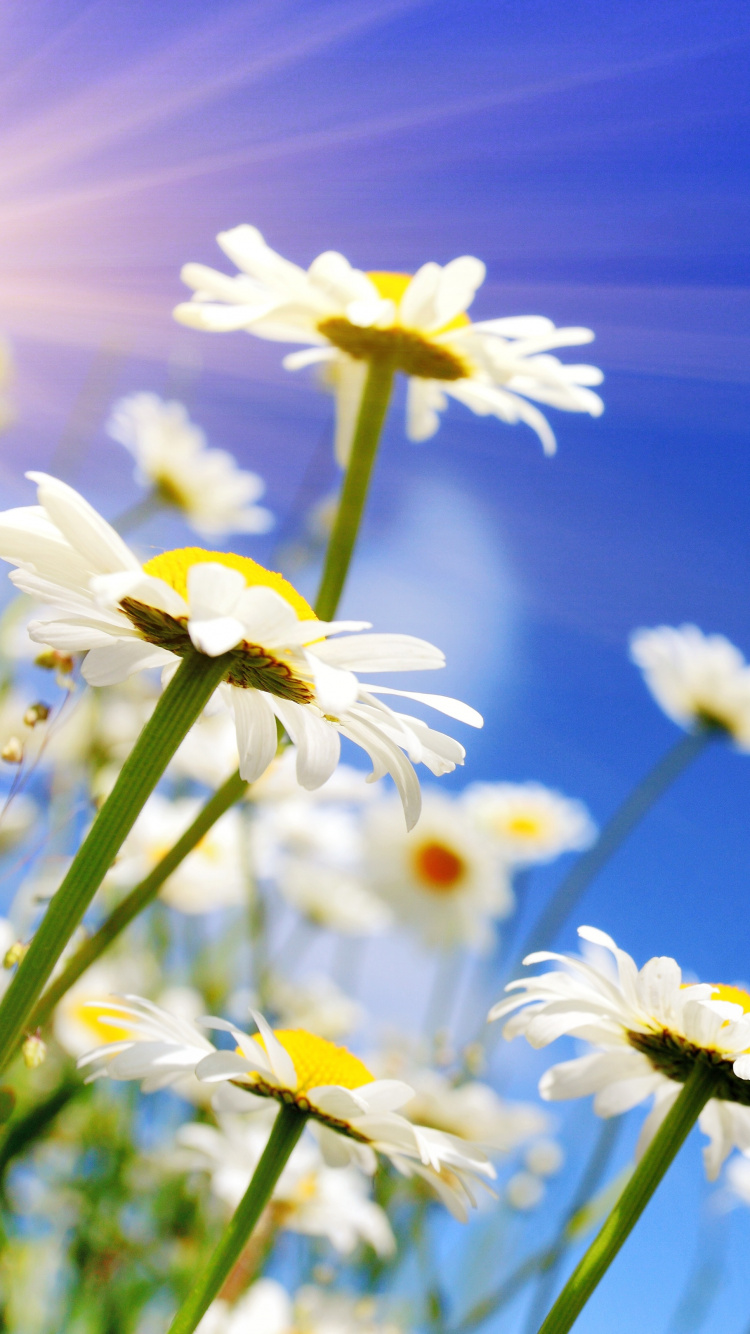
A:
(173, 566)
(319, 1062)
(523, 826)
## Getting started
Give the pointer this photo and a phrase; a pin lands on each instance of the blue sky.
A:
(596, 158)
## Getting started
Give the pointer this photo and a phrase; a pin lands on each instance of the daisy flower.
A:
(354, 1114)
(127, 616)
(210, 877)
(444, 880)
(267, 1308)
(205, 485)
(698, 680)
(529, 823)
(309, 1198)
(418, 323)
(649, 1029)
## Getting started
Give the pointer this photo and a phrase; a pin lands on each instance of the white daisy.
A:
(210, 877)
(529, 823)
(353, 1114)
(417, 323)
(309, 1198)
(205, 485)
(126, 616)
(77, 1025)
(649, 1029)
(698, 680)
(267, 1308)
(444, 880)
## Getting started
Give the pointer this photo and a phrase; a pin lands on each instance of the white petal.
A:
(381, 653)
(217, 635)
(453, 708)
(257, 739)
(335, 690)
(281, 1062)
(317, 741)
(267, 617)
(385, 1095)
(223, 1065)
(349, 382)
(213, 589)
(107, 666)
(88, 533)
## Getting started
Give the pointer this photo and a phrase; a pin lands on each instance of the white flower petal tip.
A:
(702, 682)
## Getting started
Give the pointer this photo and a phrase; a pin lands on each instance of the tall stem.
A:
(287, 1129)
(616, 830)
(139, 512)
(139, 897)
(182, 702)
(372, 411)
(663, 1148)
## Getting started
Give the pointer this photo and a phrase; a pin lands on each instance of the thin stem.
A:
(137, 513)
(372, 412)
(616, 830)
(182, 702)
(139, 897)
(287, 1129)
(663, 1148)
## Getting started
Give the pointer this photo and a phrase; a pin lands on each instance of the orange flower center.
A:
(439, 867)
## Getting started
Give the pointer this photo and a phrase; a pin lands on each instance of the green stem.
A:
(663, 1148)
(139, 897)
(287, 1129)
(137, 513)
(616, 830)
(372, 411)
(182, 702)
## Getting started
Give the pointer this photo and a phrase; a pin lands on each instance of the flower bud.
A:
(34, 1052)
(15, 954)
(36, 713)
(12, 751)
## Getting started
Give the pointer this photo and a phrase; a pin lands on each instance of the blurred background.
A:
(596, 158)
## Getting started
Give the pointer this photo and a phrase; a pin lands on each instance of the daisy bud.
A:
(15, 954)
(34, 1052)
(12, 751)
(36, 713)
(52, 660)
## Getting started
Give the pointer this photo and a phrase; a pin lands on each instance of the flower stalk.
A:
(372, 413)
(178, 708)
(287, 1129)
(664, 1147)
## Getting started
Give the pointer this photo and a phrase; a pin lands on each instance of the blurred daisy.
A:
(473, 1111)
(126, 617)
(649, 1029)
(210, 877)
(417, 323)
(529, 823)
(268, 1309)
(353, 1114)
(310, 1198)
(444, 880)
(205, 485)
(333, 900)
(317, 1005)
(78, 1026)
(698, 680)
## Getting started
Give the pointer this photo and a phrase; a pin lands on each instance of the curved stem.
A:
(287, 1129)
(372, 412)
(139, 897)
(137, 513)
(616, 830)
(663, 1148)
(184, 699)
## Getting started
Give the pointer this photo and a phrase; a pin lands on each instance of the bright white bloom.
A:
(78, 1025)
(268, 1309)
(317, 1005)
(529, 823)
(445, 879)
(215, 496)
(126, 616)
(698, 680)
(210, 877)
(309, 1197)
(473, 1111)
(418, 323)
(648, 1029)
(353, 1114)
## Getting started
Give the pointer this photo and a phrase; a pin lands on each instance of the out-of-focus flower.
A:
(418, 323)
(210, 877)
(648, 1029)
(524, 1191)
(698, 680)
(473, 1111)
(545, 1158)
(16, 819)
(310, 1198)
(333, 899)
(77, 1024)
(205, 485)
(445, 880)
(317, 1005)
(267, 1309)
(209, 752)
(353, 1114)
(529, 823)
(284, 666)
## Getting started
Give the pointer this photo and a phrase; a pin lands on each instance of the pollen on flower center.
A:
(318, 1061)
(439, 868)
(173, 566)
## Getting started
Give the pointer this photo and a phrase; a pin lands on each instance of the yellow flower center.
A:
(91, 1018)
(319, 1062)
(439, 868)
(522, 826)
(173, 566)
(391, 286)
